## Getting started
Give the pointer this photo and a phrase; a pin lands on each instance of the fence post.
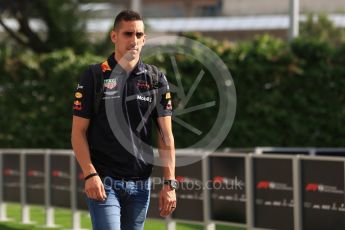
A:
(294, 19)
(170, 224)
(75, 212)
(3, 209)
(25, 206)
(208, 224)
(49, 210)
(297, 193)
(249, 191)
(136, 5)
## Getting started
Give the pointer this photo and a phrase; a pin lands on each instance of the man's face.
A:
(129, 39)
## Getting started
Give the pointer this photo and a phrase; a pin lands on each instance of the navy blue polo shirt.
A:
(140, 108)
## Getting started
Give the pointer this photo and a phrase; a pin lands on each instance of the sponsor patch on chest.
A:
(141, 84)
(143, 98)
(109, 83)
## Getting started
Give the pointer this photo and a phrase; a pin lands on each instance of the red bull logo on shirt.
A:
(105, 66)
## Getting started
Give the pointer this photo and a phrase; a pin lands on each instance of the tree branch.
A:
(12, 33)
(33, 39)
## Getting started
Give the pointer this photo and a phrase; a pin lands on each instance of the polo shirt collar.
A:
(138, 69)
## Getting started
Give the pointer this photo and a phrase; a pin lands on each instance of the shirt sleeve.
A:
(83, 96)
(164, 104)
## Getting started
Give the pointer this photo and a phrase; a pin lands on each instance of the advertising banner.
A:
(11, 177)
(156, 179)
(60, 178)
(227, 189)
(35, 179)
(287, 151)
(323, 194)
(273, 193)
(330, 152)
(81, 198)
(190, 192)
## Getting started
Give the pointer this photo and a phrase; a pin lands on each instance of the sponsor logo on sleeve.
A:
(78, 95)
(77, 105)
(79, 86)
(169, 105)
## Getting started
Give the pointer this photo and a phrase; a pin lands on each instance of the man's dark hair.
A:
(126, 15)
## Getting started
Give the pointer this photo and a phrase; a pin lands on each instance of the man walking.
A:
(117, 183)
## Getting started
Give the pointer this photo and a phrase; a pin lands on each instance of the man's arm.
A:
(166, 149)
(93, 186)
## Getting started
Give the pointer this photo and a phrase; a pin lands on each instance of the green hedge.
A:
(37, 97)
(288, 94)
(291, 94)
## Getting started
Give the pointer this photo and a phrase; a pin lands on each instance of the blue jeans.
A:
(125, 207)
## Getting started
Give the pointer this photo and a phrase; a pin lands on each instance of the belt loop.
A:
(124, 182)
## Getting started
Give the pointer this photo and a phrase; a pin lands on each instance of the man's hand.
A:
(94, 188)
(167, 200)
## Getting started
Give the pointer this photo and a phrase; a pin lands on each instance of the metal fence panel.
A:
(228, 192)
(323, 194)
(11, 177)
(60, 178)
(190, 191)
(35, 179)
(273, 193)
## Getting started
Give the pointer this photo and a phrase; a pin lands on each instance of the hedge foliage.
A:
(36, 95)
(288, 94)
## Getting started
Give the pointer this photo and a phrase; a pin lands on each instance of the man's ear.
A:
(113, 36)
(144, 39)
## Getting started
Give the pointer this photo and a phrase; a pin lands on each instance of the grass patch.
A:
(63, 218)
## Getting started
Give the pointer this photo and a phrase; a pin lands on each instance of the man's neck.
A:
(124, 63)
